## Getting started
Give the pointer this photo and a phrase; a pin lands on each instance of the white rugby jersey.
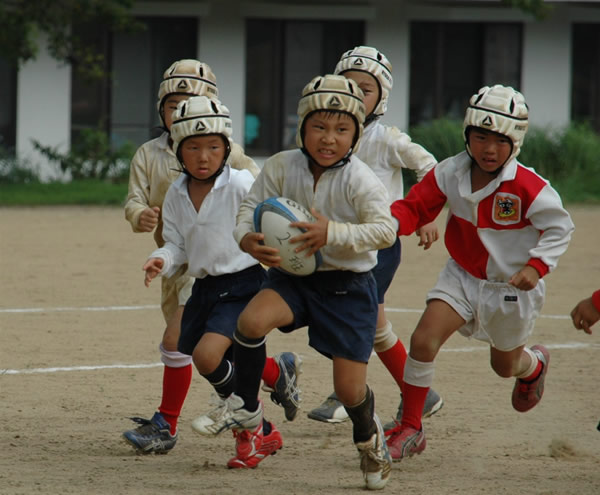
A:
(516, 220)
(203, 239)
(153, 168)
(351, 197)
(387, 150)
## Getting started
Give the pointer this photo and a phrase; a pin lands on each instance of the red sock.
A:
(413, 401)
(394, 360)
(176, 383)
(270, 372)
(535, 374)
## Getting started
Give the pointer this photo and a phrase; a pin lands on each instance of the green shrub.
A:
(91, 157)
(15, 171)
(442, 137)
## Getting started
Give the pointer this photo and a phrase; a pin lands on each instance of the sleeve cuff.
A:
(539, 265)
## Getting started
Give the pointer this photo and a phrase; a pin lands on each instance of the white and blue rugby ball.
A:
(272, 218)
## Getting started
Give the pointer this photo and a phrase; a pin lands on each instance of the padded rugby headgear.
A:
(187, 76)
(200, 116)
(331, 93)
(500, 109)
(370, 60)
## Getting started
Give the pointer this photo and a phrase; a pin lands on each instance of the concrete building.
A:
(263, 52)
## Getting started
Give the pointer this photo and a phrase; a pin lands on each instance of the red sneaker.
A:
(252, 447)
(404, 441)
(526, 395)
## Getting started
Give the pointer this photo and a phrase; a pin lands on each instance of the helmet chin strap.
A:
(345, 159)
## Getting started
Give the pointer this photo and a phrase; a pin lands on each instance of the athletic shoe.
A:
(526, 395)
(233, 416)
(208, 420)
(252, 447)
(405, 441)
(286, 392)
(153, 436)
(331, 411)
(375, 460)
(433, 403)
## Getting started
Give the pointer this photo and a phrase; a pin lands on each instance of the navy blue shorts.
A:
(339, 308)
(388, 260)
(216, 303)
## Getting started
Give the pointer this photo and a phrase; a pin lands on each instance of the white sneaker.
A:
(231, 415)
(208, 420)
(375, 460)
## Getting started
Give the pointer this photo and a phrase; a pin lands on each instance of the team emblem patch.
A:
(507, 208)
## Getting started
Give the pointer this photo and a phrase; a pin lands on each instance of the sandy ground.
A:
(78, 356)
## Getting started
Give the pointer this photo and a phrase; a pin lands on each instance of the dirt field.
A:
(78, 356)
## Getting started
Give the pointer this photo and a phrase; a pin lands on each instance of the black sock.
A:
(250, 356)
(362, 417)
(222, 379)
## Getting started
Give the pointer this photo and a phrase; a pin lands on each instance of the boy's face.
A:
(490, 150)
(169, 106)
(203, 155)
(328, 136)
(369, 87)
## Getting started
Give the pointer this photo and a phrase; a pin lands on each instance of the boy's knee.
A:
(423, 346)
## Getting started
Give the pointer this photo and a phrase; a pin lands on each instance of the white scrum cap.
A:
(198, 116)
(500, 109)
(187, 76)
(334, 94)
(370, 60)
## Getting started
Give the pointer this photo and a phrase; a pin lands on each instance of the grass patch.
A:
(80, 192)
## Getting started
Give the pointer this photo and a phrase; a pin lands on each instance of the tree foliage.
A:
(23, 21)
(538, 8)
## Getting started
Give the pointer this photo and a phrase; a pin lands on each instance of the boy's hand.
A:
(266, 255)
(584, 315)
(149, 219)
(152, 267)
(428, 234)
(525, 279)
(315, 236)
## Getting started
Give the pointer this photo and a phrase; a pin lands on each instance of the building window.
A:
(451, 60)
(8, 106)
(124, 103)
(585, 93)
(282, 56)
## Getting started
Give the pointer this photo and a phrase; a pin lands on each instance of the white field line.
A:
(156, 306)
(566, 345)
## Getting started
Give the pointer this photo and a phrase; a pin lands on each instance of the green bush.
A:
(91, 157)
(14, 171)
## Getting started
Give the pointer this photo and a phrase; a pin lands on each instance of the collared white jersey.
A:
(516, 220)
(351, 197)
(203, 239)
(387, 150)
(154, 168)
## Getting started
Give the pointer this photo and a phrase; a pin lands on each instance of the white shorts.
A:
(494, 312)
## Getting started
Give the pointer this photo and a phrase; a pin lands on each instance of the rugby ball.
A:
(272, 218)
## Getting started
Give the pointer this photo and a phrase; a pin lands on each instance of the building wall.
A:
(43, 93)
(43, 109)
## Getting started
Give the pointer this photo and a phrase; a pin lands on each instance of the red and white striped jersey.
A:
(516, 220)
